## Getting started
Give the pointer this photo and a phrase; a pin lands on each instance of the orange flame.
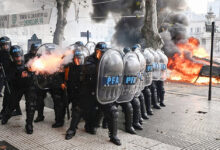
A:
(184, 67)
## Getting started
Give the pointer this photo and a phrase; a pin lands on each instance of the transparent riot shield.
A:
(141, 75)
(149, 67)
(130, 84)
(109, 80)
(46, 80)
(156, 65)
(84, 49)
(163, 65)
(91, 47)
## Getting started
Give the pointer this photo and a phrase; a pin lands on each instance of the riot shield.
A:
(156, 65)
(91, 47)
(109, 80)
(141, 75)
(48, 81)
(130, 84)
(163, 65)
(46, 49)
(149, 67)
(84, 49)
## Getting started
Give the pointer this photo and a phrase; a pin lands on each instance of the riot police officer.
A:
(55, 89)
(74, 74)
(5, 60)
(89, 85)
(160, 82)
(32, 52)
(41, 94)
(21, 83)
(156, 77)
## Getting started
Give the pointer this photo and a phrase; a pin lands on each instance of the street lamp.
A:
(210, 27)
(210, 17)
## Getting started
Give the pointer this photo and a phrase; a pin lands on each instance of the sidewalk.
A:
(47, 138)
(188, 122)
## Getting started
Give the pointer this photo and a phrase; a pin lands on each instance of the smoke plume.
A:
(128, 28)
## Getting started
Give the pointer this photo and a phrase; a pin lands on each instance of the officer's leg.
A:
(5, 99)
(161, 92)
(136, 113)
(99, 117)
(128, 111)
(76, 115)
(147, 97)
(30, 97)
(153, 89)
(4, 102)
(17, 110)
(41, 95)
(111, 114)
(1, 85)
(59, 107)
(143, 106)
(90, 119)
(11, 102)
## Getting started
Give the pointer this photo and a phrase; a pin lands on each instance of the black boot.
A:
(141, 120)
(90, 118)
(17, 111)
(161, 92)
(70, 134)
(30, 110)
(147, 97)
(6, 115)
(39, 119)
(143, 107)
(112, 118)
(57, 124)
(76, 115)
(59, 114)
(154, 96)
(4, 120)
(128, 111)
(136, 113)
(29, 128)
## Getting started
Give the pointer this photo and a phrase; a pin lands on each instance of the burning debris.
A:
(188, 61)
(190, 64)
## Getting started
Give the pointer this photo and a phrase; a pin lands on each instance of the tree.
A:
(150, 30)
(62, 7)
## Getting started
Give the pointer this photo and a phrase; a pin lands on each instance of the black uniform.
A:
(41, 94)
(160, 92)
(154, 98)
(110, 110)
(20, 86)
(6, 61)
(147, 97)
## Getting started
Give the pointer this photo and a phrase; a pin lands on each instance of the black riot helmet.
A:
(16, 53)
(100, 49)
(136, 46)
(5, 43)
(34, 47)
(126, 50)
(79, 43)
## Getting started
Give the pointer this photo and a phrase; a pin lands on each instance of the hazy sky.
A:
(199, 6)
